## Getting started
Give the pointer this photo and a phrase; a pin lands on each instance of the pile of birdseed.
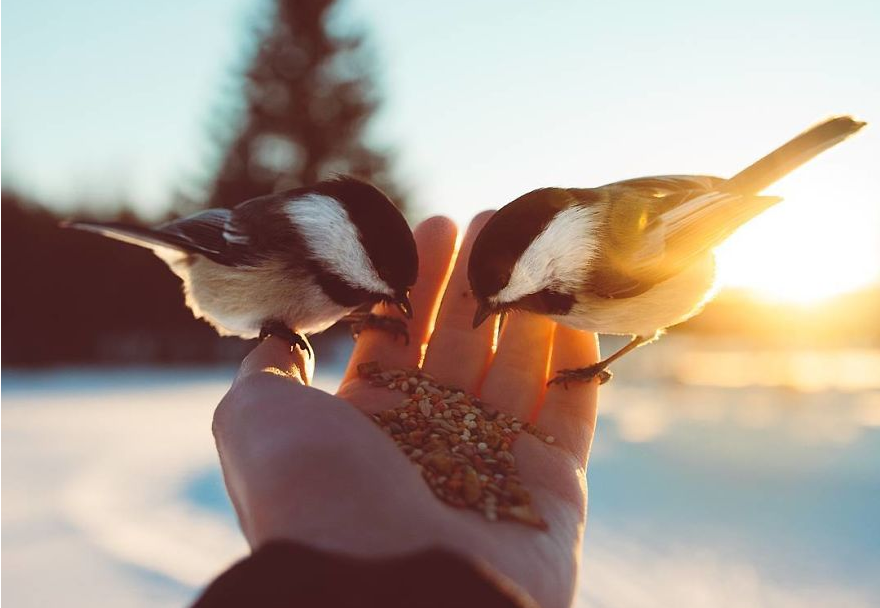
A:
(461, 448)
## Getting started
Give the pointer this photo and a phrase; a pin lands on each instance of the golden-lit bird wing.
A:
(662, 185)
(657, 226)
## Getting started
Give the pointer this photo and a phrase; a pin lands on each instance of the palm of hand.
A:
(307, 466)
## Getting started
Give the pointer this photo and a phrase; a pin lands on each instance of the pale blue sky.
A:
(485, 100)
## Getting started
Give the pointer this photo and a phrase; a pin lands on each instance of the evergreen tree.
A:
(308, 96)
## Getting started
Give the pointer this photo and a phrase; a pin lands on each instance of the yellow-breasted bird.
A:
(632, 257)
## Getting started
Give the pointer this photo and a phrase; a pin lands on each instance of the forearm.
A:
(290, 574)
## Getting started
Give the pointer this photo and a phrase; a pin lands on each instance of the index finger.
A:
(458, 353)
(435, 241)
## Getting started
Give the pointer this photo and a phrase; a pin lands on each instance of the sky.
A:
(484, 101)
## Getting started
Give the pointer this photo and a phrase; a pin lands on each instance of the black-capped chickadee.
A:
(632, 257)
(286, 264)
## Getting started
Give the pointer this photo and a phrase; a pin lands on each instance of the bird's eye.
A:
(546, 302)
(555, 302)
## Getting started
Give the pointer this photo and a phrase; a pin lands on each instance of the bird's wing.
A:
(214, 233)
(657, 226)
(661, 185)
(218, 234)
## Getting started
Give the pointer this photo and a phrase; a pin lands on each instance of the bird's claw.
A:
(280, 330)
(394, 326)
(583, 374)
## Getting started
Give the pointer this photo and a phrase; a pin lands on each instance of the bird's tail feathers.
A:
(788, 157)
(136, 235)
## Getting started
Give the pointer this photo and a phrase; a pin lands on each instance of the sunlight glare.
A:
(818, 243)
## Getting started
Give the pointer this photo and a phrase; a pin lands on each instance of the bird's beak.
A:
(403, 305)
(484, 311)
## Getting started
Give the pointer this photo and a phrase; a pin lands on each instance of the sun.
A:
(818, 243)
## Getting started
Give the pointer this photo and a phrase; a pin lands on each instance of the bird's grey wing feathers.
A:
(218, 234)
(661, 230)
(213, 233)
(202, 232)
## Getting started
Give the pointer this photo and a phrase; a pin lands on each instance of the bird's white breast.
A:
(237, 301)
(666, 304)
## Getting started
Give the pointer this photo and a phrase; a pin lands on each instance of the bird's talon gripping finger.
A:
(584, 374)
(300, 340)
(280, 330)
(396, 327)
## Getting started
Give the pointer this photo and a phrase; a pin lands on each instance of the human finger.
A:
(569, 413)
(457, 353)
(517, 376)
(435, 240)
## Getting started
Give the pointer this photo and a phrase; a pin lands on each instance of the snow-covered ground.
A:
(715, 489)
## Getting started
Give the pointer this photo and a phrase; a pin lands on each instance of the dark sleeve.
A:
(292, 575)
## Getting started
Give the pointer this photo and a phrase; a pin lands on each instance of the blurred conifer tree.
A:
(308, 96)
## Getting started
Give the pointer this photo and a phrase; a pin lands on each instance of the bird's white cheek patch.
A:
(333, 239)
(557, 258)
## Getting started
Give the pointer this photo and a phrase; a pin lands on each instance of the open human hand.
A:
(303, 465)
